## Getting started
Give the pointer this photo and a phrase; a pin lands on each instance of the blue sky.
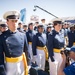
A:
(60, 8)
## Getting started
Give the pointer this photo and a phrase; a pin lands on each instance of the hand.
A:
(2, 69)
(63, 56)
(34, 59)
(52, 59)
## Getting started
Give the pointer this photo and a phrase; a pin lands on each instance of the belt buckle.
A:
(62, 49)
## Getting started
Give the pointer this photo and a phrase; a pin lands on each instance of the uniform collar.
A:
(30, 31)
(48, 31)
(56, 32)
(39, 33)
(72, 31)
(12, 32)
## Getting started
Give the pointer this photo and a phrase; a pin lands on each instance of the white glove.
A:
(34, 59)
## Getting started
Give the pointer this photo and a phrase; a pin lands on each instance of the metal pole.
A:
(45, 11)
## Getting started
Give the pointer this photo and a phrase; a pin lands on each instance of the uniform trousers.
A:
(15, 68)
(41, 59)
(30, 52)
(54, 66)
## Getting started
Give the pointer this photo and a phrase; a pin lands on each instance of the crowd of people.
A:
(37, 43)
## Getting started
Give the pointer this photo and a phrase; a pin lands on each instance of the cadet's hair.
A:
(7, 19)
(24, 25)
(30, 24)
(37, 22)
(56, 22)
(42, 19)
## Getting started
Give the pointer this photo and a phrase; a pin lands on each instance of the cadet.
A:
(39, 47)
(48, 30)
(71, 36)
(25, 28)
(30, 33)
(20, 26)
(12, 45)
(65, 28)
(3, 26)
(44, 24)
(55, 45)
(36, 26)
(43, 21)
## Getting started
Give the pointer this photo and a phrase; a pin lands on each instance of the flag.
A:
(23, 15)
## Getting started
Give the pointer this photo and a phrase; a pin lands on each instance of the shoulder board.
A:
(51, 33)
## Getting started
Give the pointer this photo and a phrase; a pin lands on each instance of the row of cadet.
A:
(40, 43)
(67, 29)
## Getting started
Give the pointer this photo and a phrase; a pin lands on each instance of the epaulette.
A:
(5, 32)
(36, 33)
(51, 33)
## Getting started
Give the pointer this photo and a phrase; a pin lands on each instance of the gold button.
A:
(8, 45)
(9, 48)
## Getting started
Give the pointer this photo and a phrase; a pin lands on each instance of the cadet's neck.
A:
(57, 30)
(40, 32)
(13, 30)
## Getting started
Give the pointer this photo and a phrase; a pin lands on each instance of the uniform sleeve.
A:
(2, 67)
(25, 44)
(50, 45)
(34, 45)
(27, 36)
(26, 50)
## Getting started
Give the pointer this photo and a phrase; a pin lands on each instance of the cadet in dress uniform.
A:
(30, 33)
(20, 26)
(3, 26)
(55, 45)
(48, 30)
(65, 30)
(12, 45)
(44, 24)
(25, 28)
(36, 26)
(40, 52)
(71, 36)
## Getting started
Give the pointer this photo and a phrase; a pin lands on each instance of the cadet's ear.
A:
(7, 22)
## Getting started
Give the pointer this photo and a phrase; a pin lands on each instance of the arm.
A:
(34, 45)
(27, 36)
(2, 67)
(50, 47)
(26, 50)
(25, 44)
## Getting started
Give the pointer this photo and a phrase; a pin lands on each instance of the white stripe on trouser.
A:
(41, 59)
(54, 66)
(15, 68)
(30, 52)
